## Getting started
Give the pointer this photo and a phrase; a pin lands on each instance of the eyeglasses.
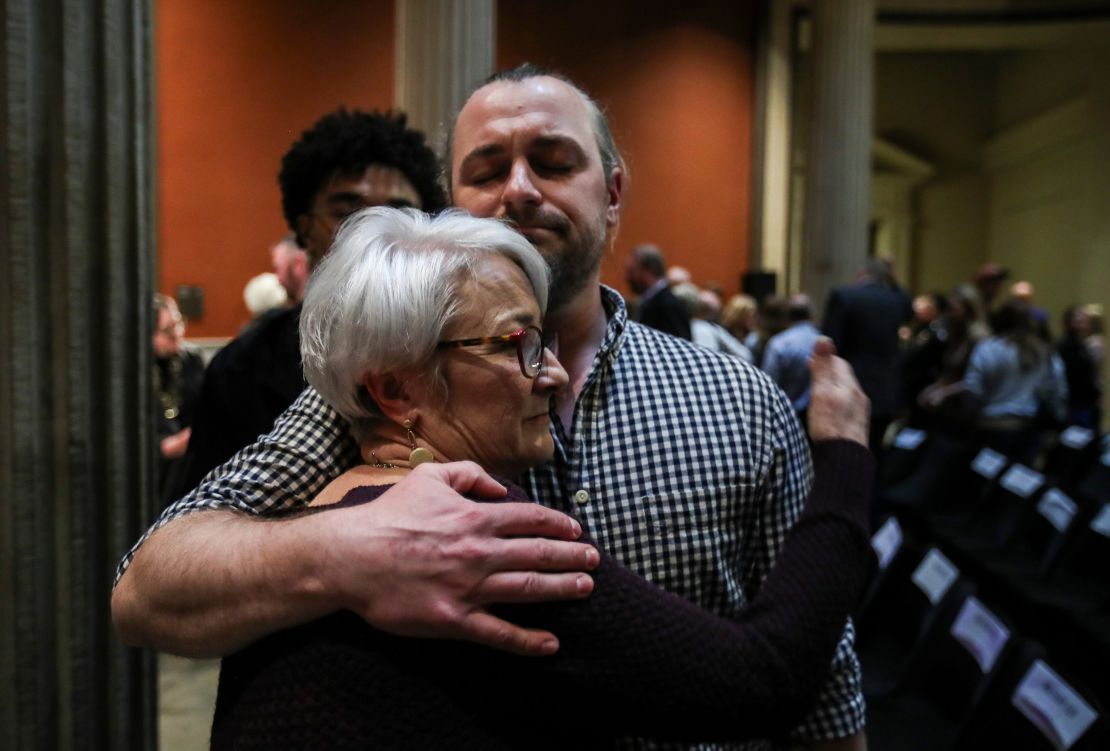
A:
(530, 343)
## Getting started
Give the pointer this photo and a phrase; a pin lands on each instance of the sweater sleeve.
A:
(670, 670)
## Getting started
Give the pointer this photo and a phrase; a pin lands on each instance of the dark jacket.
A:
(247, 386)
(863, 321)
(667, 313)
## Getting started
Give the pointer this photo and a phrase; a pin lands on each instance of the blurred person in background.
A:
(1080, 370)
(704, 330)
(346, 161)
(646, 273)
(177, 377)
(863, 320)
(738, 316)
(934, 368)
(1015, 384)
(787, 354)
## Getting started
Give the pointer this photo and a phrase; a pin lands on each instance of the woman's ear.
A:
(395, 395)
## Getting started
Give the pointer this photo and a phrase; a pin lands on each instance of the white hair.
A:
(264, 292)
(381, 298)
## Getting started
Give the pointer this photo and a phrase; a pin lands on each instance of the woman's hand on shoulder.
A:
(838, 408)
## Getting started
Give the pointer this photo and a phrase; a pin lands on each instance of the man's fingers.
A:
(824, 347)
(534, 586)
(465, 478)
(532, 520)
(482, 628)
(539, 554)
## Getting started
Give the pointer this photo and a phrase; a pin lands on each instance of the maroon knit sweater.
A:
(634, 660)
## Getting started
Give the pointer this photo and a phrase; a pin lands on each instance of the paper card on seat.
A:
(1076, 437)
(887, 541)
(909, 439)
(934, 575)
(981, 633)
(1057, 508)
(1101, 522)
(1021, 481)
(988, 463)
(1053, 706)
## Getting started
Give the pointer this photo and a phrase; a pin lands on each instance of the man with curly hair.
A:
(346, 161)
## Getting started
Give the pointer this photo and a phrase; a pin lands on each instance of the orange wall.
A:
(236, 83)
(677, 80)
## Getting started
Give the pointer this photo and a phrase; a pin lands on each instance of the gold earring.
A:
(419, 455)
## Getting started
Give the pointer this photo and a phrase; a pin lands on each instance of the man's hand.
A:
(838, 408)
(418, 561)
(421, 561)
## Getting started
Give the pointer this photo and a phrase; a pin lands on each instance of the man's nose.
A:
(520, 189)
(553, 377)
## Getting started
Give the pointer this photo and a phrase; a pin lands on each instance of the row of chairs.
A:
(987, 623)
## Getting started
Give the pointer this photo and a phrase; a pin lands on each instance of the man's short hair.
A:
(799, 308)
(347, 142)
(650, 259)
(610, 156)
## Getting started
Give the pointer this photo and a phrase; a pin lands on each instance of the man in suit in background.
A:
(863, 321)
(658, 307)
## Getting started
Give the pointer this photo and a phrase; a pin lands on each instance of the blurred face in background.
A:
(168, 334)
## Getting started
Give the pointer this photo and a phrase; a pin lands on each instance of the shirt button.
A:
(581, 497)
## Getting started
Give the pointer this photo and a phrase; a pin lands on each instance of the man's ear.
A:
(304, 224)
(615, 194)
(392, 393)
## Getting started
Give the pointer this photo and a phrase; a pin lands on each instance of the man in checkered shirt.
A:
(687, 466)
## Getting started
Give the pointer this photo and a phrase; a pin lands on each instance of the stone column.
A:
(76, 432)
(838, 158)
(443, 48)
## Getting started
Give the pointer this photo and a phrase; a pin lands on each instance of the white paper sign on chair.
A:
(1053, 706)
(1022, 481)
(887, 541)
(988, 463)
(908, 439)
(934, 575)
(981, 633)
(1076, 437)
(1057, 508)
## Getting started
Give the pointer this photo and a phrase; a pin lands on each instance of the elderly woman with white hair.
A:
(426, 335)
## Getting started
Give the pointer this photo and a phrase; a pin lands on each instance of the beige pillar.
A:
(443, 48)
(838, 169)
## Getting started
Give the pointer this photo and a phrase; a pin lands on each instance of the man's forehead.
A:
(542, 103)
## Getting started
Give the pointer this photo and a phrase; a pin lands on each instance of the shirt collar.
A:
(617, 313)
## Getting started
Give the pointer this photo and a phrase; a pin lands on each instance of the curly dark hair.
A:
(346, 142)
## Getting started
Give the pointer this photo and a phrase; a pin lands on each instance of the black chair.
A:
(1033, 705)
(1094, 488)
(932, 484)
(1031, 550)
(945, 682)
(1080, 581)
(917, 589)
(1071, 456)
(902, 457)
(988, 524)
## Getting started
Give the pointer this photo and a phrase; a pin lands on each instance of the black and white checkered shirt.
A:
(686, 465)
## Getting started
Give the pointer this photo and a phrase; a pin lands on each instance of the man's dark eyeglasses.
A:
(530, 342)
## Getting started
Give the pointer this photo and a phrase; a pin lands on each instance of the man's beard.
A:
(573, 262)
